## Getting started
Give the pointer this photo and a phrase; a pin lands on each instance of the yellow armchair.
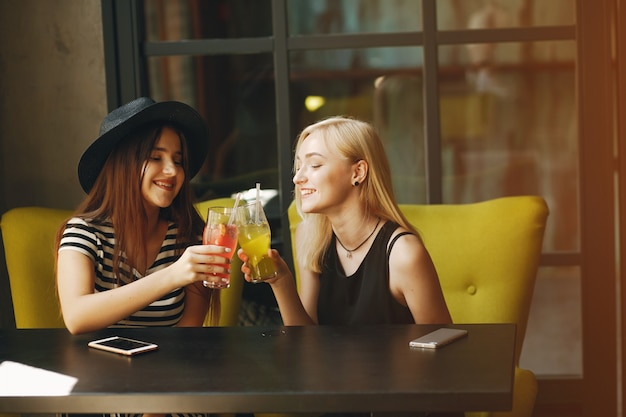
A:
(28, 237)
(28, 234)
(486, 255)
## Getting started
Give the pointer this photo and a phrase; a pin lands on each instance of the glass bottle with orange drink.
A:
(254, 238)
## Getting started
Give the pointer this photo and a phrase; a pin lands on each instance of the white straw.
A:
(257, 202)
(231, 219)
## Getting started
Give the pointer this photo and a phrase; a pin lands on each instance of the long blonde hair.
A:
(355, 140)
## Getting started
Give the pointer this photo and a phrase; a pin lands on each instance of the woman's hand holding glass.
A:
(201, 263)
(271, 254)
(254, 239)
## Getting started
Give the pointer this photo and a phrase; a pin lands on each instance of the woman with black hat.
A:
(131, 254)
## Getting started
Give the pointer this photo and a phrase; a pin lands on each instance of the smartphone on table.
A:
(438, 338)
(122, 345)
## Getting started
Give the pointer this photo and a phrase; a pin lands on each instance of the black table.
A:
(269, 369)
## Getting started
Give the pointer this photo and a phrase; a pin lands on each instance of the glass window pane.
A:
(316, 17)
(508, 127)
(553, 342)
(489, 14)
(235, 94)
(380, 85)
(174, 20)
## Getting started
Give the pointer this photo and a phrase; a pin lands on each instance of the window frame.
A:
(126, 75)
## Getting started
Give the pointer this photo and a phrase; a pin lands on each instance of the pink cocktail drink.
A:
(219, 232)
(222, 235)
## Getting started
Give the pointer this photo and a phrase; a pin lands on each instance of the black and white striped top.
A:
(96, 241)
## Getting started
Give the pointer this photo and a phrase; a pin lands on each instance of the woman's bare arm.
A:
(414, 282)
(84, 310)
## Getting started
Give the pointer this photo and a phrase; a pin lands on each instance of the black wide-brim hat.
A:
(130, 117)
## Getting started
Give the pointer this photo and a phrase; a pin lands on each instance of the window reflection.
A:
(171, 78)
(514, 132)
(399, 119)
(389, 96)
(174, 20)
(309, 17)
(489, 14)
(235, 94)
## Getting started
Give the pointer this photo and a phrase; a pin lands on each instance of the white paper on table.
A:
(19, 380)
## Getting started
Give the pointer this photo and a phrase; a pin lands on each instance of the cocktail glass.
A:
(221, 230)
(254, 239)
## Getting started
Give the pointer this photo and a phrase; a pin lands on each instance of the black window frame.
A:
(126, 76)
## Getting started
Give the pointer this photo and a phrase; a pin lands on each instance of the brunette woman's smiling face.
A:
(323, 177)
(163, 172)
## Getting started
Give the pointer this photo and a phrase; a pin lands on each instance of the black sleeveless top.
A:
(364, 297)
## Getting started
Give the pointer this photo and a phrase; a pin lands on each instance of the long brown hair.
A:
(116, 197)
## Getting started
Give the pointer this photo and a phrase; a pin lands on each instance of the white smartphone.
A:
(122, 345)
(438, 338)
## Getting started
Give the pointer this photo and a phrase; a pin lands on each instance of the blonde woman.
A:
(360, 260)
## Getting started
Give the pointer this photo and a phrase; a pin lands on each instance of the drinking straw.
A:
(257, 204)
(231, 219)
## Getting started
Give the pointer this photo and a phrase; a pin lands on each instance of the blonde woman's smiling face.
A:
(322, 178)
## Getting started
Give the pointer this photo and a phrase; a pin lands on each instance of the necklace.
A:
(349, 251)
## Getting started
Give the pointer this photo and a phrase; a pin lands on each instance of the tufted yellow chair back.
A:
(28, 235)
(486, 255)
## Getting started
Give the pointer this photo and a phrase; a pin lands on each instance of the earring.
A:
(356, 183)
